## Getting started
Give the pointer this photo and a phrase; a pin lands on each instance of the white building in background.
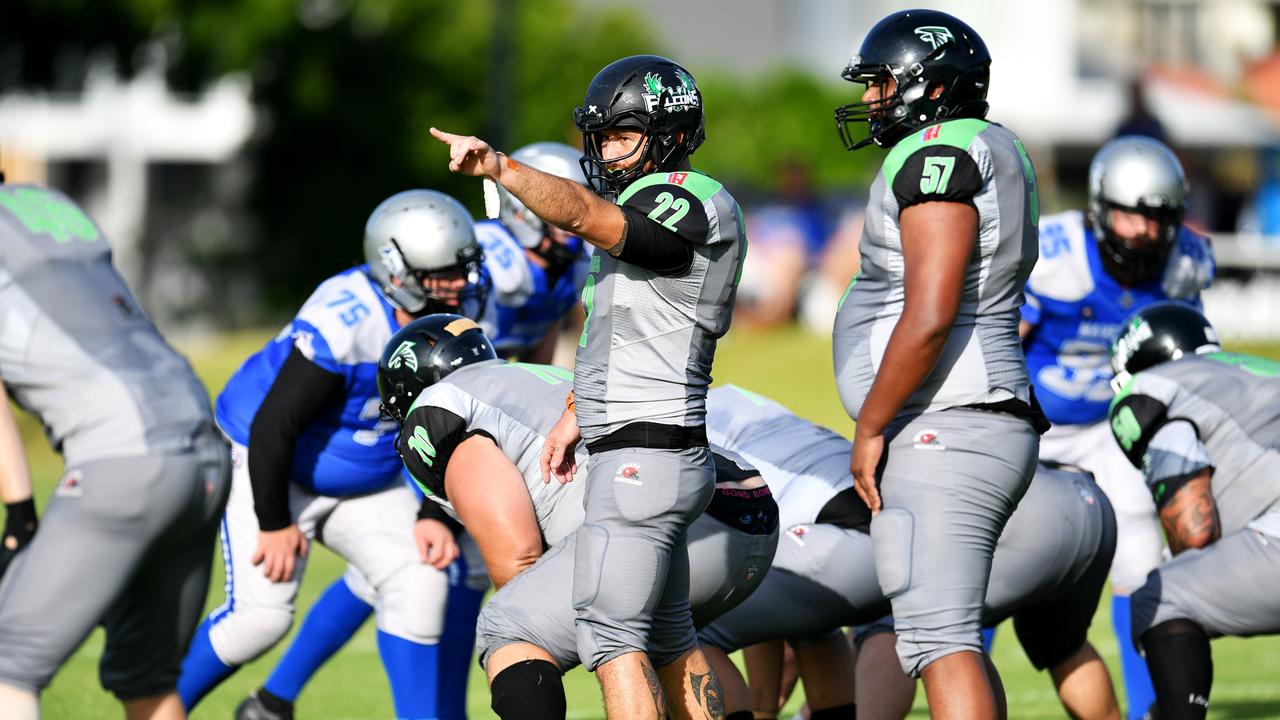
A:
(127, 128)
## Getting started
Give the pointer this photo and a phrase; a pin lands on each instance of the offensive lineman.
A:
(1129, 250)
(1204, 427)
(947, 435)
(127, 538)
(473, 432)
(1048, 570)
(537, 271)
(310, 451)
(658, 298)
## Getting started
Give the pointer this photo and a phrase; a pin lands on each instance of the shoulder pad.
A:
(1190, 267)
(506, 262)
(349, 316)
(1062, 272)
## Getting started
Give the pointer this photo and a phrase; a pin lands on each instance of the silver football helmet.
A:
(550, 157)
(1142, 175)
(418, 235)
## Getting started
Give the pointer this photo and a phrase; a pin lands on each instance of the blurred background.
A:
(232, 149)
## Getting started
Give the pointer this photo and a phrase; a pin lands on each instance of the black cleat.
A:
(252, 708)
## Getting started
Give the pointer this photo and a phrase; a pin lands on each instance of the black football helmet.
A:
(647, 93)
(424, 352)
(1159, 333)
(920, 50)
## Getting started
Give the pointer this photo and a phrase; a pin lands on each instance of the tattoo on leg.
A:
(707, 686)
(655, 689)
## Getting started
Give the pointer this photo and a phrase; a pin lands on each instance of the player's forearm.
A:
(15, 477)
(1190, 518)
(563, 203)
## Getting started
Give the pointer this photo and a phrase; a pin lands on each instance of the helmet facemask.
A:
(417, 291)
(1135, 265)
(603, 175)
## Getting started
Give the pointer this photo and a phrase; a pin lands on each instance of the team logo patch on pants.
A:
(928, 440)
(70, 485)
(628, 473)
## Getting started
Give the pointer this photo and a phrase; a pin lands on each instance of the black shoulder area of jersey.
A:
(1135, 419)
(673, 207)
(427, 441)
(937, 173)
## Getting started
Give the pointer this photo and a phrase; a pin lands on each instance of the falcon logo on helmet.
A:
(935, 36)
(404, 355)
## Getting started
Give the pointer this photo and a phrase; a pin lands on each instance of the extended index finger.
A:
(444, 137)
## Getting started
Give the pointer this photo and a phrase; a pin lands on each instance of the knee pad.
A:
(530, 690)
(246, 633)
(412, 603)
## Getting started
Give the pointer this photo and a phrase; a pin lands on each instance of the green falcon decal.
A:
(404, 355)
(422, 444)
(44, 214)
(654, 83)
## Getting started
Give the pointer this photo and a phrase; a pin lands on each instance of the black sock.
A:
(840, 712)
(530, 690)
(740, 715)
(274, 703)
(1181, 666)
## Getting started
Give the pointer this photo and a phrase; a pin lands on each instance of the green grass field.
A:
(788, 365)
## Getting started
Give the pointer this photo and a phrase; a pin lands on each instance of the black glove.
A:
(19, 527)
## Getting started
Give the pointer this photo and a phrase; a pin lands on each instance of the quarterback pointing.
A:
(927, 355)
(659, 296)
(1130, 249)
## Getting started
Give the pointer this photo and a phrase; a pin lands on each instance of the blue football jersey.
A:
(342, 328)
(1077, 310)
(523, 305)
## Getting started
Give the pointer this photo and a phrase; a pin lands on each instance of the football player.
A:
(1128, 250)
(1204, 427)
(537, 271)
(127, 538)
(927, 355)
(472, 437)
(659, 295)
(310, 449)
(1048, 571)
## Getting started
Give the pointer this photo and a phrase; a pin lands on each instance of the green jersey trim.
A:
(702, 187)
(956, 133)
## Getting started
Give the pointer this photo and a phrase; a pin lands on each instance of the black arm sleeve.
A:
(299, 393)
(427, 441)
(937, 173)
(652, 246)
(1135, 419)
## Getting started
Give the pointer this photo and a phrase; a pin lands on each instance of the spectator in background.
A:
(787, 238)
(1140, 120)
(1261, 214)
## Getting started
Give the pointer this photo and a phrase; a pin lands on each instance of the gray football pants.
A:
(949, 483)
(631, 563)
(1231, 587)
(536, 607)
(126, 542)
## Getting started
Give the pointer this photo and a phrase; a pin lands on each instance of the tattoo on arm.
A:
(1190, 519)
(655, 689)
(706, 693)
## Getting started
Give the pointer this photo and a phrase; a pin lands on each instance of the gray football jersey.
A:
(76, 349)
(804, 464)
(513, 403)
(646, 348)
(1231, 405)
(972, 162)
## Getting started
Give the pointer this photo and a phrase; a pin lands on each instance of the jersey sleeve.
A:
(1031, 307)
(937, 173)
(508, 266)
(1174, 456)
(427, 441)
(1190, 268)
(1135, 419)
(671, 206)
(338, 326)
